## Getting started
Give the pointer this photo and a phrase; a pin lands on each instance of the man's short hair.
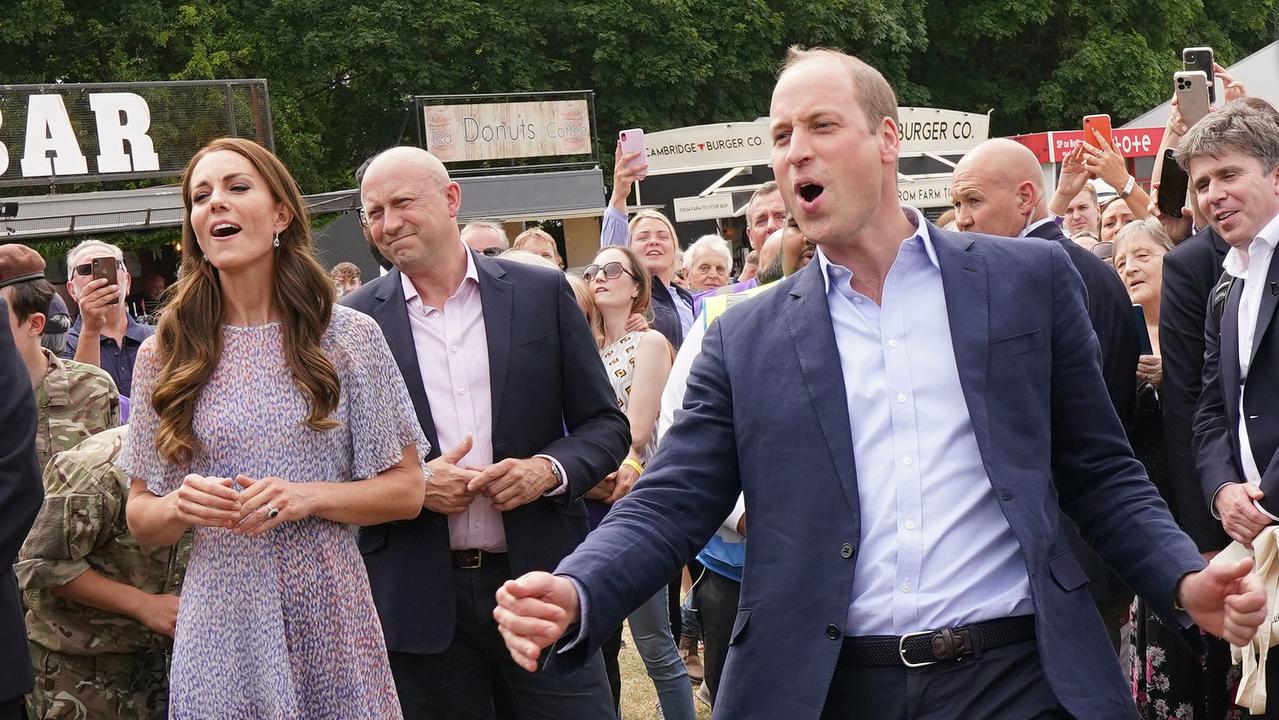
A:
(1246, 125)
(30, 297)
(115, 252)
(874, 94)
(1092, 190)
(487, 225)
(713, 243)
(765, 189)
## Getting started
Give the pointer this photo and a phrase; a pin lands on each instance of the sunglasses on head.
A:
(491, 251)
(612, 271)
(84, 269)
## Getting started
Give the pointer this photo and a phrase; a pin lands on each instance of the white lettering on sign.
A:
(688, 209)
(4, 151)
(49, 130)
(123, 117)
(50, 146)
(927, 193)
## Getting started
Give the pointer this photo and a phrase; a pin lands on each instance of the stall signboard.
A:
(707, 207)
(728, 145)
(77, 133)
(1053, 147)
(479, 131)
(925, 193)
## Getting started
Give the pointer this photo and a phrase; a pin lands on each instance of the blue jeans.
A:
(651, 631)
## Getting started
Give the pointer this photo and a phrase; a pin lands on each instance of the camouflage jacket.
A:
(82, 526)
(74, 401)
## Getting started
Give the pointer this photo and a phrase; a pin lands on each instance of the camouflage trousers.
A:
(98, 687)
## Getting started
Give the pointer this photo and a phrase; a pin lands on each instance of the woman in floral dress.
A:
(274, 423)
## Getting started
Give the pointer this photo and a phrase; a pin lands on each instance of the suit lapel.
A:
(392, 315)
(965, 285)
(498, 300)
(808, 321)
(1266, 310)
(1228, 350)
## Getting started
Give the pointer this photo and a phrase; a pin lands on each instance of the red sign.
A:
(1052, 147)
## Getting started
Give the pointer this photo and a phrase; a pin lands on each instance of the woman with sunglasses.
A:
(637, 364)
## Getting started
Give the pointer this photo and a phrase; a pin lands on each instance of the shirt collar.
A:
(1235, 262)
(136, 330)
(410, 292)
(1031, 227)
(921, 231)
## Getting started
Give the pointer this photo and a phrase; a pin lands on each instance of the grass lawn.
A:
(639, 699)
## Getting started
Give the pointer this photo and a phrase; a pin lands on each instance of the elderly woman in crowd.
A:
(638, 364)
(273, 422)
(1170, 680)
(708, 262)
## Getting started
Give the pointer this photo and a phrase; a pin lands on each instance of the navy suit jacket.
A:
(1216, 441)
(21, 493)
(1190, 271)
(1048, 436)
(550, 396)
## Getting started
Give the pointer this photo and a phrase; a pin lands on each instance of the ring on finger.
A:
(272, 512)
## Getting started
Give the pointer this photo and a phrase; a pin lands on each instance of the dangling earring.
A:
(276, 241)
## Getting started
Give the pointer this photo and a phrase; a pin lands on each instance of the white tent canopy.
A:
(1259, 73)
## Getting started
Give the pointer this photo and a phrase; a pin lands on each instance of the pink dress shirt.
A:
(453, 357)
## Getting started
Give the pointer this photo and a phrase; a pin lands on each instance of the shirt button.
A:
(857, 300)
(832, 631)
(910, 524)
(453, 349)
(901, 397)
(846, 551)
(461, 391)
(907, 461)
(892, 342)
(906, 587)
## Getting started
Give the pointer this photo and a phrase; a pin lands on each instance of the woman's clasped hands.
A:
(259, 506)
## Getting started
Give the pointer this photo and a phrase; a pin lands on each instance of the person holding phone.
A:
(273, 423)
(104, 334)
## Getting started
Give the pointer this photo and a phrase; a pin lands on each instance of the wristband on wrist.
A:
(634, 465)
(1128, 187)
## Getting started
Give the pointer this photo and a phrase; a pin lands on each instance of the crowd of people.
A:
(990, 463)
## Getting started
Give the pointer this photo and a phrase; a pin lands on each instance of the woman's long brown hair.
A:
(189, 336)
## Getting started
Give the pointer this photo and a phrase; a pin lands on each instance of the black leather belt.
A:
(472, 559)
(919, 649)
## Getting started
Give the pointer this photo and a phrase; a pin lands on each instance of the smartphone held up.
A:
(632, 141)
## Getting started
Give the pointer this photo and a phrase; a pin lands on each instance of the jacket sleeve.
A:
(1093, 465)
(598, 434)
(686, 491)
(21, 491)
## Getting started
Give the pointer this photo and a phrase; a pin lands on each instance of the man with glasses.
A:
(486, 237)
(510, 391)
(104, 334)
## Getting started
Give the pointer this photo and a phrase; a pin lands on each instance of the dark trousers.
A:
(609, 650)
(13, 709)
(460, 683)
(1005, 683)
(717, 598)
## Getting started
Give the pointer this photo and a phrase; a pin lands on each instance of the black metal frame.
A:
(267, 139)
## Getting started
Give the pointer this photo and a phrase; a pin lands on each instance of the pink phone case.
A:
(633, 141)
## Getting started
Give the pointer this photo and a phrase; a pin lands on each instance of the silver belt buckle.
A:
(901, 649)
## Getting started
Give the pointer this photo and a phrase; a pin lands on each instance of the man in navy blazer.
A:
(21, 493)
(1233, 160)
(511, 393)
(941, 399)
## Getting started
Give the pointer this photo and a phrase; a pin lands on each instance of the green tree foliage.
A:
(340, 72)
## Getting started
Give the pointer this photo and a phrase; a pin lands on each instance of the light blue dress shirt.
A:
(936, 550)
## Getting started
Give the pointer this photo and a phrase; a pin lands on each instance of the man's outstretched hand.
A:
(534, 611)
(1226, 600)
